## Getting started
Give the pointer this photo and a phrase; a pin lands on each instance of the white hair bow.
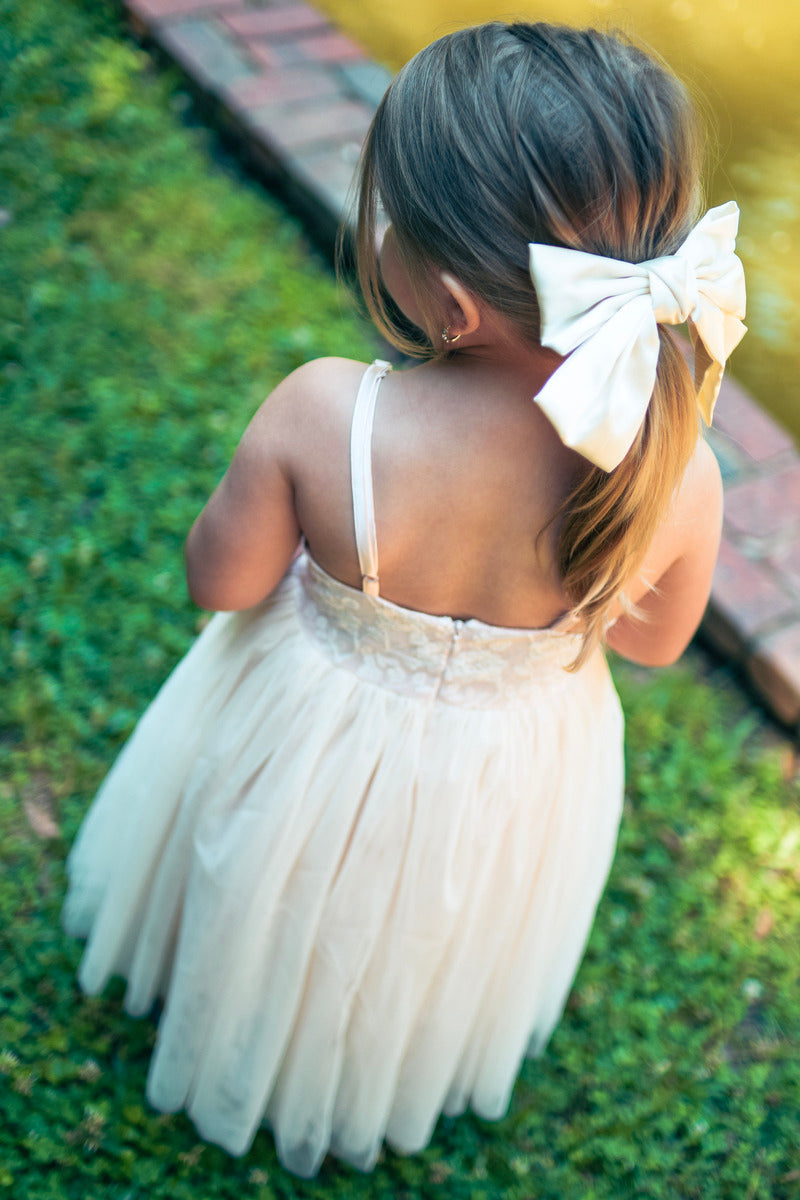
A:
(604, 315)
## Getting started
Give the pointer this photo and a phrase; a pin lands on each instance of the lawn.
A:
(149, 297)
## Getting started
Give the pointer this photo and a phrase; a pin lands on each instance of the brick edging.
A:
(297, 96)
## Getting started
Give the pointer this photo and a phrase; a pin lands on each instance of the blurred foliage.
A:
(148, 299)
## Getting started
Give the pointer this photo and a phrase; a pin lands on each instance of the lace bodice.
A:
(456, 662)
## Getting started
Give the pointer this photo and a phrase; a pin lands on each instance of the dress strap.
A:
(361, 475)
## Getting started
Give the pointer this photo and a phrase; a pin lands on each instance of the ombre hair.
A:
(504, 134)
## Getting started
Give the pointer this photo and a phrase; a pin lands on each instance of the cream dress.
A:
(357, 850)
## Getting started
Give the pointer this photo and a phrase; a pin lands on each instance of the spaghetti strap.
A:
(361, 475)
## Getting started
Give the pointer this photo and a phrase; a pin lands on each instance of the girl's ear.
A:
(463, 314)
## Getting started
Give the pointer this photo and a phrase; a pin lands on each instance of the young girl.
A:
(357, 841)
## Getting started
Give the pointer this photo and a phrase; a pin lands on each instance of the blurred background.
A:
(151, 294)
(740, 59)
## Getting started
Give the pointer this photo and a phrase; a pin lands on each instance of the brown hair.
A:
(500, 135)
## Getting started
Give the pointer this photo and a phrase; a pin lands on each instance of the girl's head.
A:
(501, 135)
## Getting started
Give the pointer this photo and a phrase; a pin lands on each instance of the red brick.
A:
(270, 54)
(274, 54)
(786, 562)
(774, 668)
(754, 431)
(160, 10)
(281, 21)
(327, 175)
(312, 125)
(764, 505)
(327, 48)
(746, 596)
(206, 52)
(286, 86)
(367, 80)
(331, 47)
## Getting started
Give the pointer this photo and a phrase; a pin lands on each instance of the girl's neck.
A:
(495, 347)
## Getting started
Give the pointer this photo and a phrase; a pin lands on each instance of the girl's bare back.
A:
(467, 473)
(469, 480)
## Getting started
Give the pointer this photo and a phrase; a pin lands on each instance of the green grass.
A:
(148, 299)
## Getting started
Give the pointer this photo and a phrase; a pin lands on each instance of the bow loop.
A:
(604, 315)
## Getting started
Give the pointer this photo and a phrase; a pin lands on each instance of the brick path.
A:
(297, 96)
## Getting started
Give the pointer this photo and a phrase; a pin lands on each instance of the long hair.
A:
(504, 134)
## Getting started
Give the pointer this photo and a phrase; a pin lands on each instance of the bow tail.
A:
(708, 368)
(707, 376)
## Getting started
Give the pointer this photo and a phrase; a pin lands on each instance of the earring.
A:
(450, 341)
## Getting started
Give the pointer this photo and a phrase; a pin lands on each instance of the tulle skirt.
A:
(361, 906)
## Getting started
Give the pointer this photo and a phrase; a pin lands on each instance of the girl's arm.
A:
(681, 562)
(241, 544)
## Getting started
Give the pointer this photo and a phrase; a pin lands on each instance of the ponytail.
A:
(609, 520)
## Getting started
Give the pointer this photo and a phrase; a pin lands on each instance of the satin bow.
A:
(604, 314)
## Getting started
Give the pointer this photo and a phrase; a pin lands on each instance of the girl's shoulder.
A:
(696, 510)
(320, 382)
(244, 539)
(672, 586)
(307, 406)
(691, 529)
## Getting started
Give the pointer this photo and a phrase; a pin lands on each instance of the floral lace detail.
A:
(464, 663)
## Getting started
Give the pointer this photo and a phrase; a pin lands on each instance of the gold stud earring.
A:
(450, 341)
